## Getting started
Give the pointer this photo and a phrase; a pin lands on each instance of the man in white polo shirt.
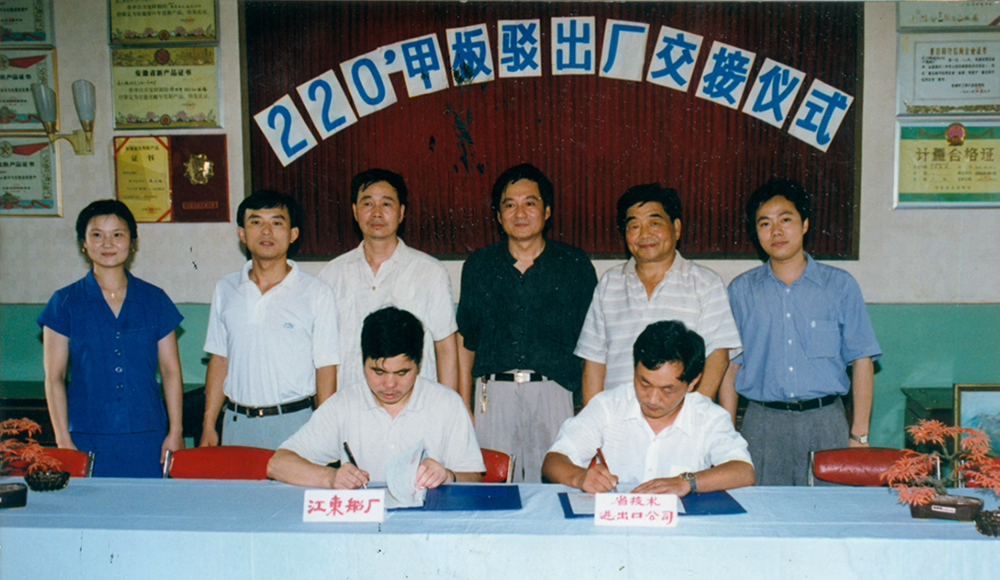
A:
(653, 432)
(384, 271)
(391, 410)
(272, 333)
(657, 283)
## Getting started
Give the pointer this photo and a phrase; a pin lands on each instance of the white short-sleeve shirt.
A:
(701, 436)
(273, 342)
(409, 280)
(433, 413)
(620, 311)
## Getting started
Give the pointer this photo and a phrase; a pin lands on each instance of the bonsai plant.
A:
(920, 482)
(20, 453)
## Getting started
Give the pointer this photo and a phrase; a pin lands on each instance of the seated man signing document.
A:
(654, 430)
(379, 420)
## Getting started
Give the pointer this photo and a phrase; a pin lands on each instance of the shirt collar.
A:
(811, 273)
(397, 254)
(290, 280)
(680, 265)
(93, 289)
(414, 403)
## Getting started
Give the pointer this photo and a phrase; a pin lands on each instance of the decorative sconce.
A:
(84, 97)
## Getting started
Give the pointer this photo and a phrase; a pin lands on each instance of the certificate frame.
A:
(19, 68)
(946, 162)
(30, 184)
(926, 16)
(27, 23)
(955, 73)
(977, 405)
(172, 87)
(155, 22)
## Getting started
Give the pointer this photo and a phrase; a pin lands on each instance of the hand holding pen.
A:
(350, 476)
(598, 478)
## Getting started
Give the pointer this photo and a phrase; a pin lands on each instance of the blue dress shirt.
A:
(798, 339)
(112, 385)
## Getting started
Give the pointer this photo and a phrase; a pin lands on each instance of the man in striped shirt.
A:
(655, 284)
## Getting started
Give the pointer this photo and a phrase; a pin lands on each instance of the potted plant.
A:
(919, 481)
(18, 451)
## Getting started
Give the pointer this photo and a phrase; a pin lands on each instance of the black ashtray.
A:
(13, 495)
(47, 480)
(988, 522)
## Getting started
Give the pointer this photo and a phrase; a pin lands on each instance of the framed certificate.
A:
(955, 73)
(177, 178)
(928, 16)
(165, 88)
(156, 21)
(947, 164)
(26, 22)
(19, 69)
(29, 177)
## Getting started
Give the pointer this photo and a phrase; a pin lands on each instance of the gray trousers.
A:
(780, 441)
(521, 419)
(266, 432)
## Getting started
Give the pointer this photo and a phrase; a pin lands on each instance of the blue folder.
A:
(713, 503)
(474, 497)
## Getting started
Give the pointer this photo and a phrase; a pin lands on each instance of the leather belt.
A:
(804, 405)
(516, 377)
(308, 402)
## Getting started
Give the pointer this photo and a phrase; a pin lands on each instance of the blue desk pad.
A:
(470, 498)
(713, 503)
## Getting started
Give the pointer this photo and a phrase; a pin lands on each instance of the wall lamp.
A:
(84, 97)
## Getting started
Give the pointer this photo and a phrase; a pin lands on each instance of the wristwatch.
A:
(862, 440)
(692, 480)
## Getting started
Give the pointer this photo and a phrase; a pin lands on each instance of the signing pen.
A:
(350, 457)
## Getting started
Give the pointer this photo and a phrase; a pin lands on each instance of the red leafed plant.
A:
(916, 476)
(22, 450)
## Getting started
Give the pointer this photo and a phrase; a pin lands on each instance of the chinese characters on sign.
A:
(574, 51)
(155, 21)
(28, 177)
(19, 69)
(161, 88)
(26, 21)
(954, 73)
(351, 505)
(142, 168)
(948, 165)
(635, 509)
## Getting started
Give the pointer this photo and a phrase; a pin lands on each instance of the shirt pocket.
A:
(823, 339)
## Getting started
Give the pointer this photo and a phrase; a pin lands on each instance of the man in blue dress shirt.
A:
(801, 323)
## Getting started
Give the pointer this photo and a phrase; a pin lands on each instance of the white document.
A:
(401, 478)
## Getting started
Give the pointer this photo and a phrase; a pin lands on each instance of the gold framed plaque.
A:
(165, 88)
(26, 22)
(162, 21)
(19, 69)
(29, 177)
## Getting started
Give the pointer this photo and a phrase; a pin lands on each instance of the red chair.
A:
(499, 466)
(77, 463)
(222, 462)
(852, 465)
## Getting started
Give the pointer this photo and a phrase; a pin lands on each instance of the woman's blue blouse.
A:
(111, 386)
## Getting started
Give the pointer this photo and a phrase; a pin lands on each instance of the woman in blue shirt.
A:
(104, 338)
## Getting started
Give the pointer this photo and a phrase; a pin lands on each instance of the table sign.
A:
(635, 509)
(344, 505)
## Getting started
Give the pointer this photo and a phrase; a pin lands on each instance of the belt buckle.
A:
(522, 376)
(797, 404)
(258, 412)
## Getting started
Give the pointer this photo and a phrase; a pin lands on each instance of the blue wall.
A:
(924, 345)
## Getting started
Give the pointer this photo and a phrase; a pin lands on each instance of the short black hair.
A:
(670, 341)
(361, 181)
(270, 199)
(515, 174)
(650, 192)
(789, 189)
(105, 207)
(391, 332)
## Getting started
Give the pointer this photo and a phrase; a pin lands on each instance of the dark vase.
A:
(13, 495)
(949, 507)
(988, 522)
(47, 480)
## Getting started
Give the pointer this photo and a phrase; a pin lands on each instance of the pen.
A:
(599, 456)
(350, 457)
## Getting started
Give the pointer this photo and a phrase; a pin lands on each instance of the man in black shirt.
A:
(522, 305)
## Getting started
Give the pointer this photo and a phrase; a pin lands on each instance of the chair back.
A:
(499, 466)
(221, 462)
(77, 463)
(861, 466)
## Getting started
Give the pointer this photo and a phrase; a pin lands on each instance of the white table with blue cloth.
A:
(249, 530)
